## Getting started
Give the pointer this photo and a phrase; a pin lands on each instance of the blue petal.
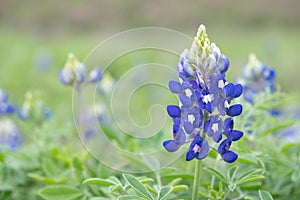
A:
(190, 155)
(229, 156)
(170, 145)
(10, 109)
(238, 90)
(175, 128)
(228, 126)
(207, 126)
(203, 151)
(268, 74)
(188, 127)
(236, 135)
(209, 107)
(174, 111)
(217, 136)
(223, 63)
(180, 137)
(235, 110)
(221, 106)
(175, 87)
(229, 90)
(186, 101)
(224, 146)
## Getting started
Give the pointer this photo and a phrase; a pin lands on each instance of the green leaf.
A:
(180, 175)
(137, 186)
(47, 180)
(49, 168)
(77, 164)
(98, 181)
(145, 180)
(232, 172)
(164, 192)
(180, 187)
(115, 180)
(264, 195)
(174, 182)
(129, 197)
(216, 174)
(250, 179)
(114, 188)
(61, 192)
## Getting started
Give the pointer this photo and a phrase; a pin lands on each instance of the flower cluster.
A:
(257, 78)
(10, 137)
(75, 72)
(205, 99)
(34, 108)
(5, 106)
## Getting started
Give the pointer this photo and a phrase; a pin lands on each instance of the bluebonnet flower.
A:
(257, 78)
(34, 108)
(75, 72)
(5, 106)
(10, 137)
(205, 99)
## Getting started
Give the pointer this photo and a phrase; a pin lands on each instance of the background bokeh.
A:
(35, 37)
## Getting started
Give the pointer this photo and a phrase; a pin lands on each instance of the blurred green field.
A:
(57, 28)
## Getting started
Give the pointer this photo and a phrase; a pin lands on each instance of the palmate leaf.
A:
(137, 186)
(61, 192)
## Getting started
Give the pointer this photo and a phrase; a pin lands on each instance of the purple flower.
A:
(205, 99)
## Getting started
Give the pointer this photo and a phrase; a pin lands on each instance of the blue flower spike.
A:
(257, 77)
(205, 100)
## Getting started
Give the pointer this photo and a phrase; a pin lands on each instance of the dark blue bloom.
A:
(199, 149)
(226, 154)
(235, 110)
(174, 111)
(205, 98)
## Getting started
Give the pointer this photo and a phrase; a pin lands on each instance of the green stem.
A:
(196, 185)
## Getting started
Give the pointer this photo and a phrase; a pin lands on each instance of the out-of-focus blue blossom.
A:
(10, 137)
(205, 99)
(95, 75)
(75, 72)
(5, 106)
(257, 77)
(34, 108)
